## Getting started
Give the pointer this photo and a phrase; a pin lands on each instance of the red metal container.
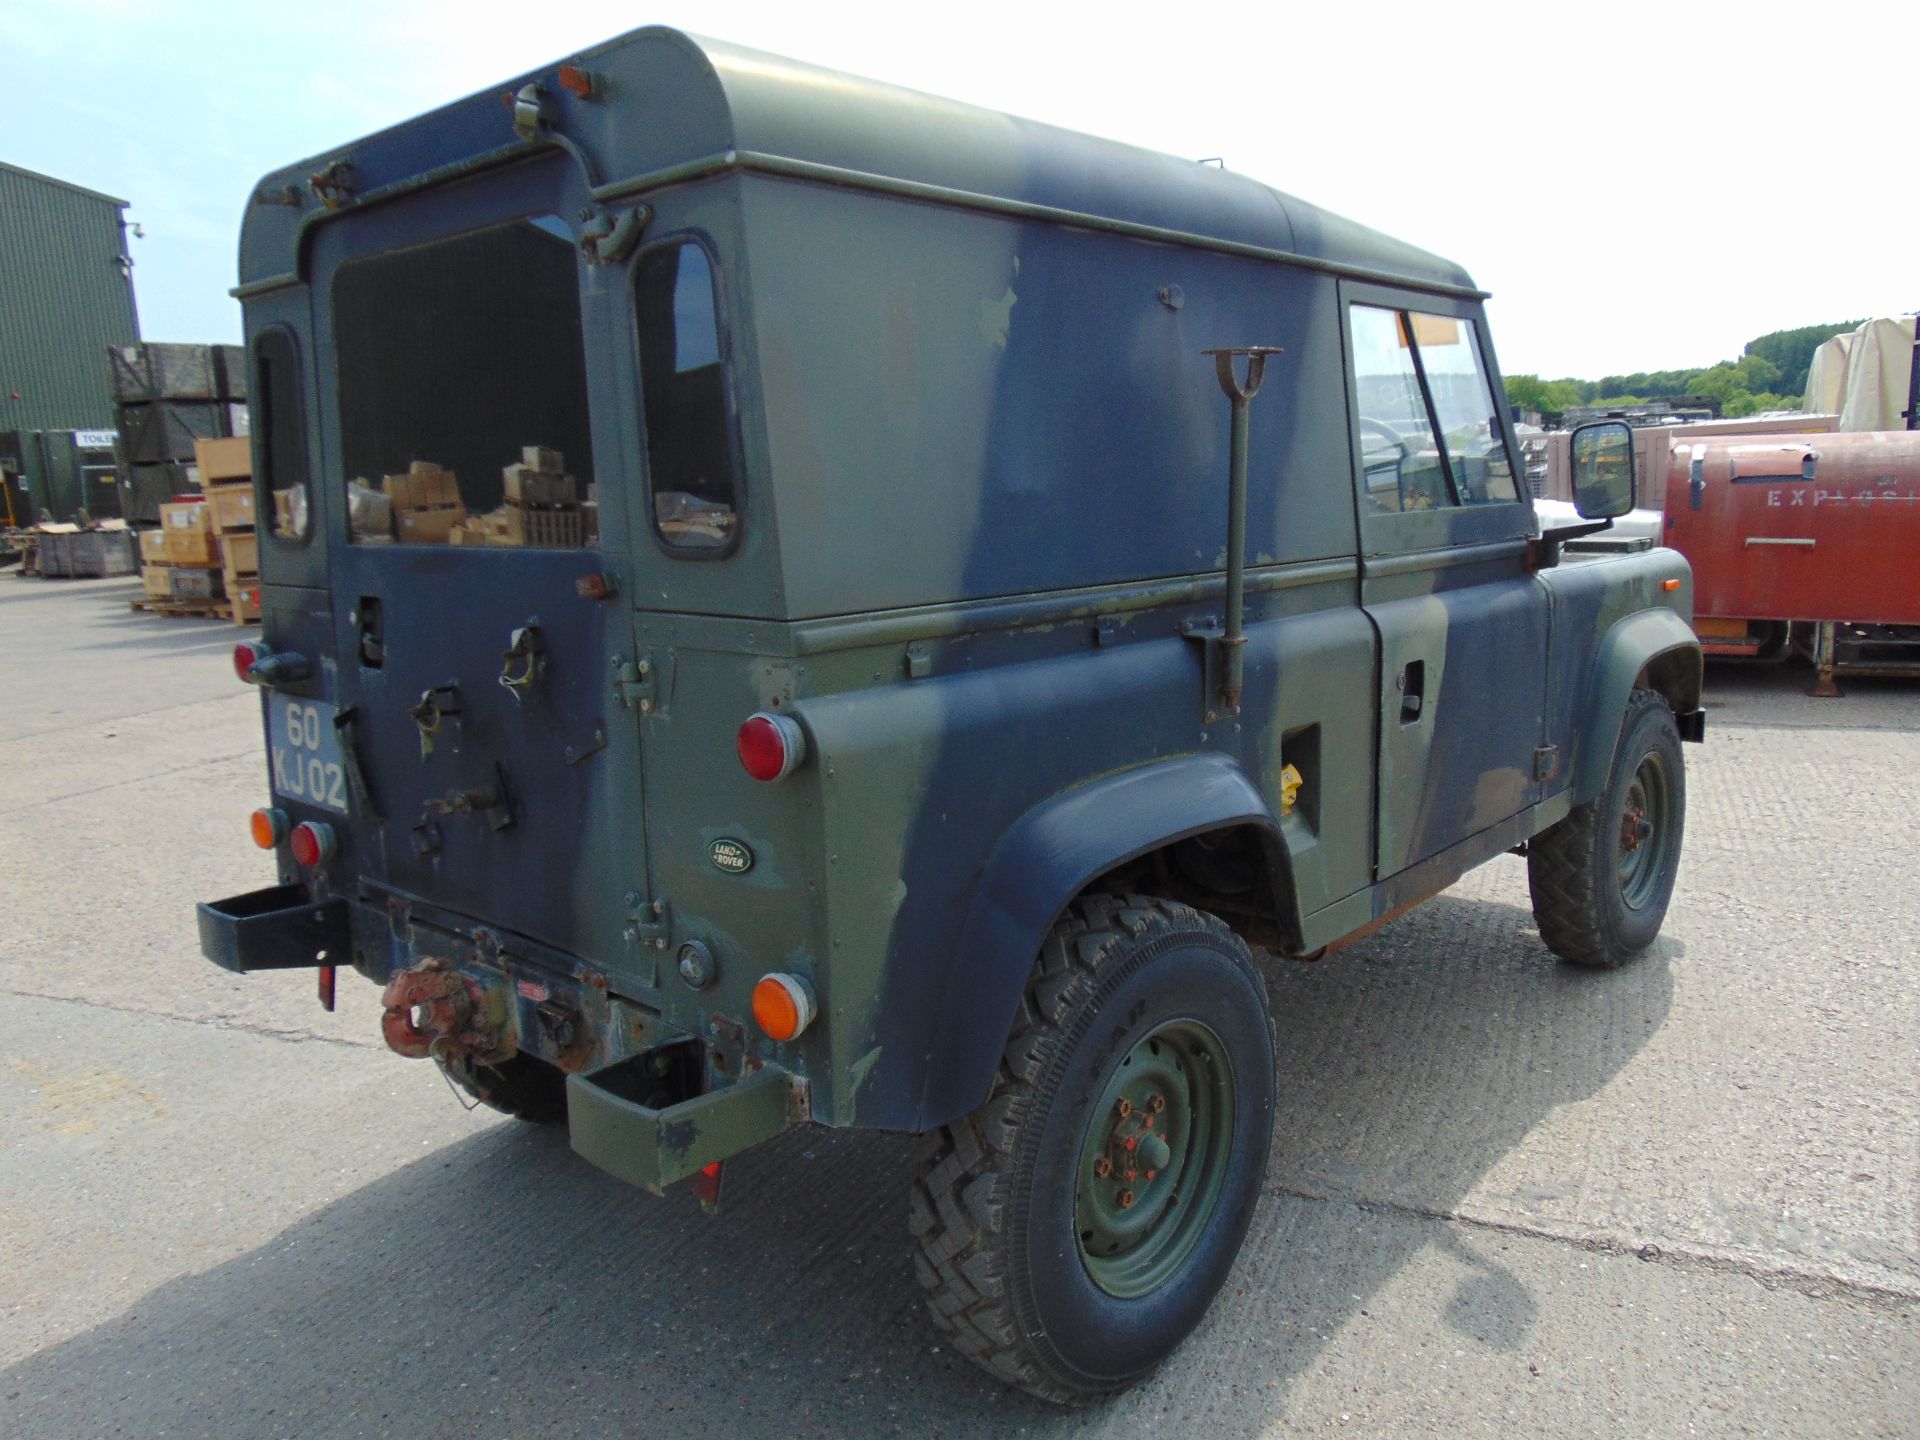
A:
(1800, 527)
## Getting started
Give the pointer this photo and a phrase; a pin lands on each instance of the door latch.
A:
(524, 659)
(436, 707)
(1412, 685)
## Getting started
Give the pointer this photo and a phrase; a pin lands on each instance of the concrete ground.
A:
(1505, 1197)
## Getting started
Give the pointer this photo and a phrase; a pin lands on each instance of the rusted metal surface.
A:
(432, 1009)
(1814, 527)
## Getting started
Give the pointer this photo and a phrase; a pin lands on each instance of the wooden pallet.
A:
(215, 609)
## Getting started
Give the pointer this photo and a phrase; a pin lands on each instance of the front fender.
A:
(1629, 647)
(1043, 860)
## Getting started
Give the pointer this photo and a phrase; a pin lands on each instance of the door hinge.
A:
(644, 682)
(649, 922)
(1546, 762)
(649, 928)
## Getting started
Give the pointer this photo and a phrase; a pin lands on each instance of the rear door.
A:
(1445, 577)
(469, 431)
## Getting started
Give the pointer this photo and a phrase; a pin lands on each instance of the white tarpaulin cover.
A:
(1875, 365)
(1827, 376)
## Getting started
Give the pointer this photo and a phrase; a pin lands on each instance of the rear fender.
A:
(1048, 856)
(1648, 639)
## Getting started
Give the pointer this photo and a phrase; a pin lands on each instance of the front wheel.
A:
(1075, 1228)
(1601, 879)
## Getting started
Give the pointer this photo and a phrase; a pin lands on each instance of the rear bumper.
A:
(554, 1018)
(655, 1147)
(279, 928)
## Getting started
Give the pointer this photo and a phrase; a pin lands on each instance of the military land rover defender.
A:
(792, 601)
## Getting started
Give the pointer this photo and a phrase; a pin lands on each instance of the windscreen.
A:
(463, 392)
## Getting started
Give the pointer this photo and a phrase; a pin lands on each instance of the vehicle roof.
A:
(712, 105)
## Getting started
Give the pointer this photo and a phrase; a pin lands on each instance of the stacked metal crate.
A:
(167, 397)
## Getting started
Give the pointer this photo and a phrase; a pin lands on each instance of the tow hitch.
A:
(434, 1010)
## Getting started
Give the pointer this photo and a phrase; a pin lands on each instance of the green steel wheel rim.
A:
(1646, 836)
(1153, 1160)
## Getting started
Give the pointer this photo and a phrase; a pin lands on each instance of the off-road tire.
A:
(1573, 868)
(523, 1086)
(993, 1207)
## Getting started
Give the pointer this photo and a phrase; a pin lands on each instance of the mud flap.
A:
(655, 1147)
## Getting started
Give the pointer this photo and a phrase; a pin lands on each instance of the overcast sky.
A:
(1640, 186)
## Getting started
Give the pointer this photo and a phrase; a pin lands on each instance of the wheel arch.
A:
(1651, 649)
(1053, 853)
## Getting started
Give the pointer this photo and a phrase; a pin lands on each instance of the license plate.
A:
(304, 751)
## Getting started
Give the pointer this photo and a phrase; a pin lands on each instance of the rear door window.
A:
(1430, 437)
(692, 473)
(463, 391)
(279, 420)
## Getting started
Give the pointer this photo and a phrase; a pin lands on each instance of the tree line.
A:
(1771, 374)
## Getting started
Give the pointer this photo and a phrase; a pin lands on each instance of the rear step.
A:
(655, 1147)
(279, 928)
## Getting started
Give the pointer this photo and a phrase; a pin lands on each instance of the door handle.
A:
(1412, 684)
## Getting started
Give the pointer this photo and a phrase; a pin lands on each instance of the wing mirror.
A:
(1603, 481)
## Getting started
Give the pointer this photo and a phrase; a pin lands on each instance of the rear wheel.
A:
(1602, 878)
(1075, 1228)
(522, 1086)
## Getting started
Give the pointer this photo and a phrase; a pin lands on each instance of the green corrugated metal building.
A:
(66, 293)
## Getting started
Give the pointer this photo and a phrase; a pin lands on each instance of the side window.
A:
(683, 390)
(1429, 435)
(1398, 452)
(279, 420)
(1449, 350)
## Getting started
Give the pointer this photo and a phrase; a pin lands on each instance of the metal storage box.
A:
(85, 554)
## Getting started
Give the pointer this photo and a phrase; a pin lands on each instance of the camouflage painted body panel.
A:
(984, 469)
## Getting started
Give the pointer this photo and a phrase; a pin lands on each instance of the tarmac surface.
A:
(1505, 1197)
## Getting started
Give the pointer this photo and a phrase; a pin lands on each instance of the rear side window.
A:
(279, 419)
(683, 390)
(1429, 434)
(462, 378)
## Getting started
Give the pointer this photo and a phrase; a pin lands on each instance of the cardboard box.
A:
(246, 604)
(232, 506)
(189, 532)
(240, 554)
(153, 547)
(195, 582)
(524, 485)
(425, 486)
(158, 580)
(230, 459)
(487, 529)
(428, 527)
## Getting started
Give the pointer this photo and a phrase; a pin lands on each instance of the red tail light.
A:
(312, 843)
(771, 746)
(246, 655)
